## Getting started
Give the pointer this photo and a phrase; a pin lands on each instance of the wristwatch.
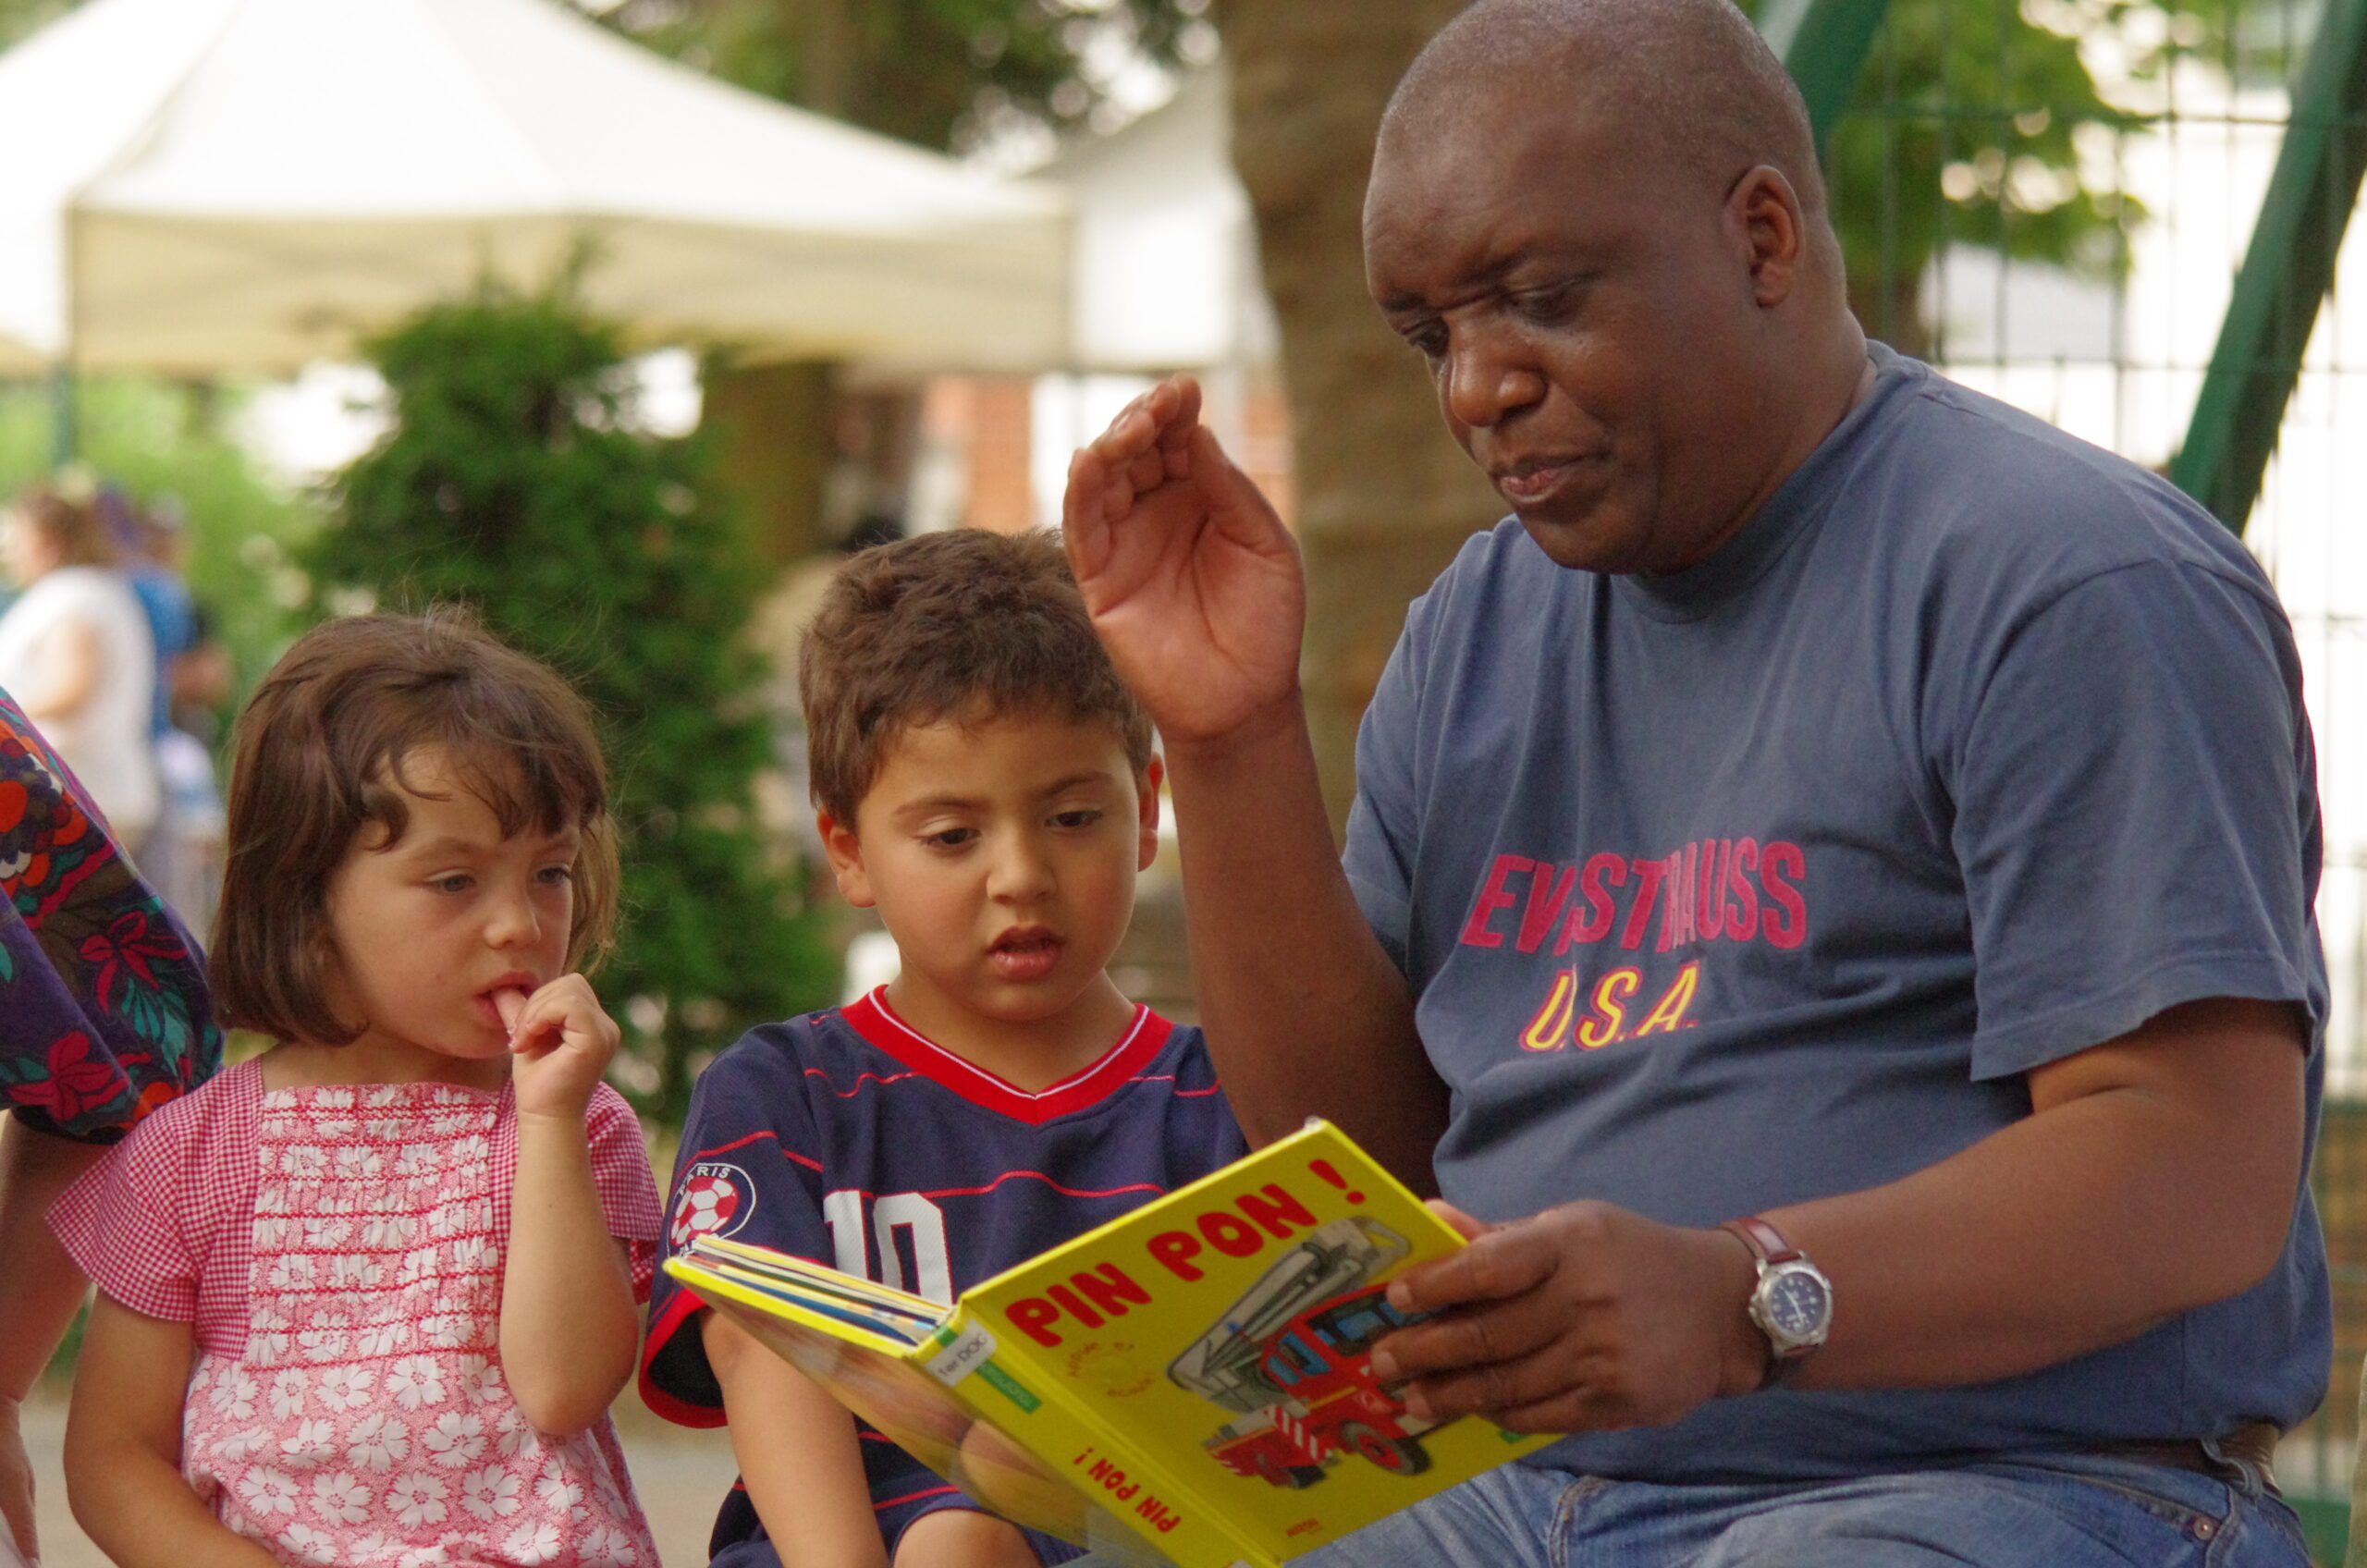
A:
(1792, 1304)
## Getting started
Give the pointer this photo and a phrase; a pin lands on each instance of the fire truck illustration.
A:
(1292, 1358)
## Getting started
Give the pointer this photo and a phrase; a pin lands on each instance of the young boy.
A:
(985, 782)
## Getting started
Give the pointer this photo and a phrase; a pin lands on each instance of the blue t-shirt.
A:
(172, 624)
(848, 1137)
(1768, 880)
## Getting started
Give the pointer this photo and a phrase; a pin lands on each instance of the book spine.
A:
(1080, 1451)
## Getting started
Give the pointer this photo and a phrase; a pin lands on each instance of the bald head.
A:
(1688, 84)
(1600, 223)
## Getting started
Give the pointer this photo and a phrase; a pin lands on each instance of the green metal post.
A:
(1822, 44)
(2286, 271)
(65, 435)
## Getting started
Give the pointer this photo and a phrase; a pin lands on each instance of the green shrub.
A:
(513, 478)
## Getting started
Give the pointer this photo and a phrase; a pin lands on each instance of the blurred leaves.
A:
(943, 73)
(514, 478)
(19, 18)
(1998, 124)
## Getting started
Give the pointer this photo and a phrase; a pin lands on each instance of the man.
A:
(1834, 802)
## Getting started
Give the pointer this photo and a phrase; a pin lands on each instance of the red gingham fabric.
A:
(356, 1411)
(165, 1224)
(621, 1172)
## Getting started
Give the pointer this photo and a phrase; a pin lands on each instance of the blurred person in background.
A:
(203, 680)
(182, 857)
(191, 877)
(147, 542)
(103, 1016)
(77, 655)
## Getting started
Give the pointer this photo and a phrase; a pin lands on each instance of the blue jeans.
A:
(2060, 1511)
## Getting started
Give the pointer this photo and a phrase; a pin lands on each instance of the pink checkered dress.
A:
(338, 1252)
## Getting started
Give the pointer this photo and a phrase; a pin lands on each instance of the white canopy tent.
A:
(203, 186)
(1166, 272)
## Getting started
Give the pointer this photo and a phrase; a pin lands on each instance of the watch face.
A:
(1796, 1303)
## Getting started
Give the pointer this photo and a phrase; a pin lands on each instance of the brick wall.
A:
(1001, 495)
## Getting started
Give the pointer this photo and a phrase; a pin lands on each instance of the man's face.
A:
(1587, 320)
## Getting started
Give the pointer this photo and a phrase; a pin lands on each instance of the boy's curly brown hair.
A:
(953, 625)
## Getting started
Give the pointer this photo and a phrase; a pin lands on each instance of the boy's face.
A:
(1001, 856)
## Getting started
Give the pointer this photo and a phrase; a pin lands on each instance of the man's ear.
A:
(846, 860)
(1146, 807)
(1766, 210)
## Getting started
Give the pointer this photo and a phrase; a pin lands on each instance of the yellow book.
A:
(1188, 1384)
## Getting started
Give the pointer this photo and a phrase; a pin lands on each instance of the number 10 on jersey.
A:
(923, 1224)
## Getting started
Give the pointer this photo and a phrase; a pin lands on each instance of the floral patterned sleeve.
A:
(104, 1011)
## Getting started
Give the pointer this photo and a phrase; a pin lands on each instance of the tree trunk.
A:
(830, 56)
(1385, 497)
(773, 451)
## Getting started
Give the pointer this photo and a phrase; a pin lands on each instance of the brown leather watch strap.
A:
(1765, 1242)
(1770, 1249)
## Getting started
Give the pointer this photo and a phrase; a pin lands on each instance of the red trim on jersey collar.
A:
(1138, 1044)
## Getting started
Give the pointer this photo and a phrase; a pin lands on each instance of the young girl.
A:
(364, 1300)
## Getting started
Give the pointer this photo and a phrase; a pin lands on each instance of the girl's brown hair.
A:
(320, 752)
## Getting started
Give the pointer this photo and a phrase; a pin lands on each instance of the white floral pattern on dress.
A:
(310, 1445)
(341, 1498)
(368, 1423)
(316, 1548)
(343, 1387)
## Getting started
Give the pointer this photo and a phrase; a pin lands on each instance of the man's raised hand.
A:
(1192, 581)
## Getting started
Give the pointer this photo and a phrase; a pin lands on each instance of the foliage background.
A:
(945, 73)
(514, 478)
(1977, 122)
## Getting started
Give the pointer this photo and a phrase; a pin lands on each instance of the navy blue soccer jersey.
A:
(849, 1137)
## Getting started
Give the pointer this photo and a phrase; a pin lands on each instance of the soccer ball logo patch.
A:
(715, 1200)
